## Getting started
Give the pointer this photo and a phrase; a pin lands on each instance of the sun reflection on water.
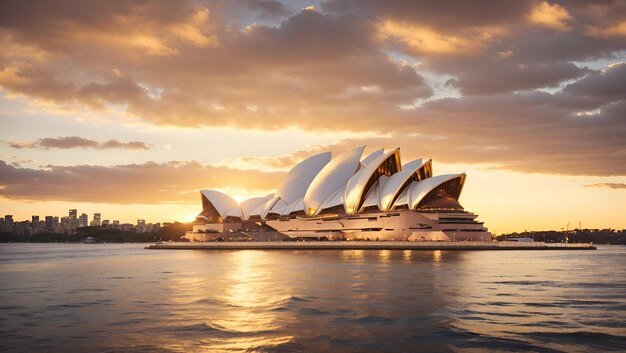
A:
(248, 290)
(384, 256)
(250, 294)
(407, 255)
(437, 257)
(353, 255)
(241, 315)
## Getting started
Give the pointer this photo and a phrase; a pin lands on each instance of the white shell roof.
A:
(371, 199)
(356, 184)
(367, 160)
(251, 205)
(261, 208)
(277, 206)
(392, 187)
(418, 190)
(319, 183)
(268, 206)
(351, 185)
(295, 206)
(224, 204)
(373, 196)
(297, 181)
(257, 211)
(333, 200)
(234, 212)
(332, 177)
(403, 199)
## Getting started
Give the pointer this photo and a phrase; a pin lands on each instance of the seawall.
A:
(369, 245)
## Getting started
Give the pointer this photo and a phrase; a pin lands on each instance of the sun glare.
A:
(240, 198)
(189, 218)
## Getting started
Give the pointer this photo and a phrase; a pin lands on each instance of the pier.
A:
(369, 245)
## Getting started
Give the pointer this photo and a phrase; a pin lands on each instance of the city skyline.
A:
(69, 224)
(133, 111)
(38, 217)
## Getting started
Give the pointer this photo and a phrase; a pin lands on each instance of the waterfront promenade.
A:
(369, 245)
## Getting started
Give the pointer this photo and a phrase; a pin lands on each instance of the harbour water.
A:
(120, 297)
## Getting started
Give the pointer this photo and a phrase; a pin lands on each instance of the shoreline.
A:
(369, 245)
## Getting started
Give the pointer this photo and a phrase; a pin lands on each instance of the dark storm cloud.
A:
(176, 181)
(69, 142)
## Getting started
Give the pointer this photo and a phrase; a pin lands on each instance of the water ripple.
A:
(103, 298)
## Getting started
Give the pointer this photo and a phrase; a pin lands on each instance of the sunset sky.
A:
(129, 108)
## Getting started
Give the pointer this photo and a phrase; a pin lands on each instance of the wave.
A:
(214, 330)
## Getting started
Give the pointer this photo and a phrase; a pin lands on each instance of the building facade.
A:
(346, 198)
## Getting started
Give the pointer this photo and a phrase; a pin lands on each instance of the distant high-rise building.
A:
(83, 221)
(106, 223)
(65, 225)
(52, 223)
(5, 226)
(72, 221)
(141, 225)
(96, 220)
(8, 223)
(34, 223)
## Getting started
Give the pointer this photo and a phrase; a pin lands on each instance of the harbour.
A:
(80, 297)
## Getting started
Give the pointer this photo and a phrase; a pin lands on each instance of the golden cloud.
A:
(553, 16)
(375, 68)
(424, 40)
(617, 30)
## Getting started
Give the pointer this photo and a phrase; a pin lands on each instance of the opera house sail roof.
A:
(348, 197)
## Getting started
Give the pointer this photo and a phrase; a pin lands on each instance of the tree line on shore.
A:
(596, 236)
(169, 232)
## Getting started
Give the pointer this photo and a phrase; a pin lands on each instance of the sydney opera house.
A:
(346, 198)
